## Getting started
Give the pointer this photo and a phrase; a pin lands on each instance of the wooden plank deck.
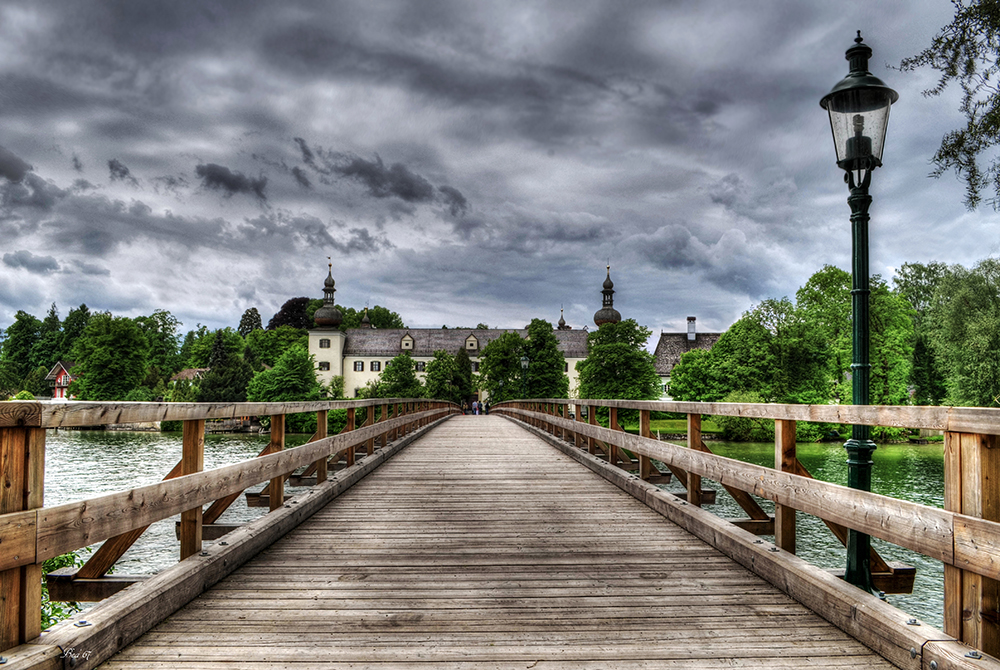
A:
(480, 546)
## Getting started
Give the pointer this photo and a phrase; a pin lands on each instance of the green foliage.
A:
(197, 348)
(546, 377)
(292, 378)
(464, 379)
(24, 395)
(743, 428)
(8, 382)
(45, 352)
(292, 313)
(268, 345)
(228, 376)
(54, 612)
(399, 379)
(965, 333)
(72, 328)
(139, 394)
(35, 382)
(500, 373)
(160, 330)
(250, 322)
(442, 373)
(20, 338)
(378, 317)
(110, 358)
(966, 52)
(335, 389)
(617, 364)
(918, 283)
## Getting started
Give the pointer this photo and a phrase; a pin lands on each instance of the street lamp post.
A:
(524, 376)
(859, 114)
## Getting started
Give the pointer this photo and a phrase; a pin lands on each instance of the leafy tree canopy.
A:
(399, 379)
(442, 373)
(617, 365)
(546, 377)
(292, 313)
(197, 349)
(228, 377)
(268, 345)
(966, 52)
(292, 378)
(110, 358)
(500, 373)
(250, 322)
(160, 329)
(19, 341)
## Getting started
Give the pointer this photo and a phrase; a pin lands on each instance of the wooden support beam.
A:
(707, 496)
(65, 587)
(755, 526)
(322, 417)
(972, 487)
(192, 461)
(209, 531)
(276, 488)
(694, 442)
(784, 460)
(22, 477)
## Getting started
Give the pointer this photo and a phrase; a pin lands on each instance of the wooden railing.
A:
(31, 533)
(965, 535)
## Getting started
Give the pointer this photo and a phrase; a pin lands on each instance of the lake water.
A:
(84, 464)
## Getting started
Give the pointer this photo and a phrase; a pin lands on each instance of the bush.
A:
(24, 395)
(54, 612)
(744, 428)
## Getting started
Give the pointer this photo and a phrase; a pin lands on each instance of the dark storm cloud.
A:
(454, 200)
(120, 172)
(77, 163)
(301, 177)
(307, 155)
(41, 265)
(396, 180)
(307, 232)
(12, 167)
(170, 184)
(31, 195)
(221, 178)
(82, 185)
(91, 269)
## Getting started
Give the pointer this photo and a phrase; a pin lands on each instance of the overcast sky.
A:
(460, 162)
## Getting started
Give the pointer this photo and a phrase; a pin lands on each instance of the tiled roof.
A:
(54, 372)
(386, 342)
(188, 374)
(672, 345)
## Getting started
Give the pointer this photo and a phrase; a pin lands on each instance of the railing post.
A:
(22, 473)
(192, 461)
(276, 490)
(592, 420)
(784, 460)
(694, 442)
(579, 417)
(321, 425)
(972, 487)
(565, 414)
(645, 465)
(612, 425)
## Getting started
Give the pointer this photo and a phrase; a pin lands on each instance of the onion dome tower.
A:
(562, 322)
(328, 316)
(365, 321)
(607, 313)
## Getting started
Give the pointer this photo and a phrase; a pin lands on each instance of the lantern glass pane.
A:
(864, 110)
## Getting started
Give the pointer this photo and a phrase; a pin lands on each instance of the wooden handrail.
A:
(955, 539)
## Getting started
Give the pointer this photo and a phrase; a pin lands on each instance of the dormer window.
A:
(407, 342)
(471, 343)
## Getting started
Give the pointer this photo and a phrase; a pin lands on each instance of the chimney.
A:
(691, 335)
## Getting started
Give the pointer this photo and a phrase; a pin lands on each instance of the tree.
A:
(110, 358)
(500, 373)
(46, 349)
(292, 378)
(227, 378)
(546, 377)
(160, 329)
(72, 327)
(268, 345)
(18, 344)
(966, 52)
(464, 379)
(250, 322)
(617, 365)
(966, 333)
(292, 313)
(917, 283)
(197, 349)
(441, 377)
(399, 379)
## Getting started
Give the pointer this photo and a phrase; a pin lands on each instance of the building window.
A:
(359, 366)
(475, 366)
(324, 343)
(324, 366)
(375, 366)
(421, 366)
(388, 363)
(566, 368)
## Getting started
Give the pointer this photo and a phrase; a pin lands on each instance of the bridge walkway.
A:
(482, 546)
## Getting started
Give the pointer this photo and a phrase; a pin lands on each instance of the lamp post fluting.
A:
(859, 114)
(524, 376)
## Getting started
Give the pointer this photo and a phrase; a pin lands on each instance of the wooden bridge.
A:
(533, 538)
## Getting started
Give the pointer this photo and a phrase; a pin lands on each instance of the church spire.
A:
(328, 316)
(607, 313)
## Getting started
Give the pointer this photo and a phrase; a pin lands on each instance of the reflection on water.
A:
(906, 471)
(84, 464)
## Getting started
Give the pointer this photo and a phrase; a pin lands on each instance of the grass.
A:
(673, 426)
